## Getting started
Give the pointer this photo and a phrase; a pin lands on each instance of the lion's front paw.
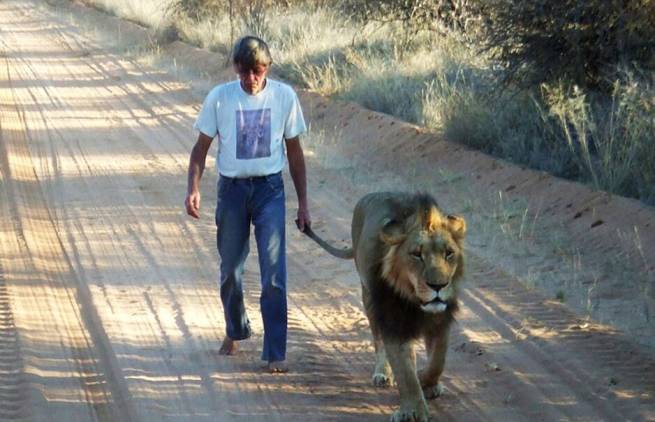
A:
(434, 391)
(411, 414)
(382, 376)
(381, 380)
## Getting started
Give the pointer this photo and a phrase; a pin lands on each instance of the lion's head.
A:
(425, 255)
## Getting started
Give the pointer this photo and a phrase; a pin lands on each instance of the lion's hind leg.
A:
(431, 393)
(382, 374)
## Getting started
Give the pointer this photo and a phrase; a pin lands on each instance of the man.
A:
(255, 119)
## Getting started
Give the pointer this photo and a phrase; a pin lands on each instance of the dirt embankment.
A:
(108, 304)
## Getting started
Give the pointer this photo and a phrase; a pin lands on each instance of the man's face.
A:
(252, 78)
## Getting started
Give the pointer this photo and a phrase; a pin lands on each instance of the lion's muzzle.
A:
(434, 306)
(440, 295)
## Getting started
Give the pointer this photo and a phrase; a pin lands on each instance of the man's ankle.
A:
(229, 347)
(278, 367)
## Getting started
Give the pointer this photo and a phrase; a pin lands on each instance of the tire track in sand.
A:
(12, 394)
(37, 235)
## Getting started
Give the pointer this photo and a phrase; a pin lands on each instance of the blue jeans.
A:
(260, 201)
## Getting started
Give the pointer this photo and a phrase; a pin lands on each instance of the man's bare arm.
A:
(196, 168)
(297, 169)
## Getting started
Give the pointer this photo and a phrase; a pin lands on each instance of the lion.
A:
(410, 259)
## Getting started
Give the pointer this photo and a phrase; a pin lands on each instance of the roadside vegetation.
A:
(557, 85)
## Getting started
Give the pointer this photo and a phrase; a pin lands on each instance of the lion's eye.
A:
(417, 254)
(449, 254)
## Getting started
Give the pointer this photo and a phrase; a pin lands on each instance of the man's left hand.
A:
(304, 220)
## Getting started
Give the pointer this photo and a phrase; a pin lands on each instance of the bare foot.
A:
(229, 347)
(277, 367)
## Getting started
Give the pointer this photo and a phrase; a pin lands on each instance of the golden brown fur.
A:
(410, 258)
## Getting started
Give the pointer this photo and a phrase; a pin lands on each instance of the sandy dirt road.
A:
(109, 307)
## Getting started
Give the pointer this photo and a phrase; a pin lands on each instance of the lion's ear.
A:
(392, 232)
(457, 226)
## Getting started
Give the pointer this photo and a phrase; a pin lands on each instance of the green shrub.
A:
(579, 42)
(412, 16)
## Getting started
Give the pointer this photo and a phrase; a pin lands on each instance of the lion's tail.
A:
(339, 253)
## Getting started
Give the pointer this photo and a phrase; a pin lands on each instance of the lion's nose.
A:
(437, 286)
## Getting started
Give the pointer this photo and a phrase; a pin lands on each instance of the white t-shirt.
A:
(251, 128)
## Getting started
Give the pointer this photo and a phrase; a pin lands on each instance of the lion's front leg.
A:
(413, 406)
(436, 346)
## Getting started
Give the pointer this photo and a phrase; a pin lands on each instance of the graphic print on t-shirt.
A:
(253, 133)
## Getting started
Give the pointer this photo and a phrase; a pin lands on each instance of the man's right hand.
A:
(196, 167)
(192, 204)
